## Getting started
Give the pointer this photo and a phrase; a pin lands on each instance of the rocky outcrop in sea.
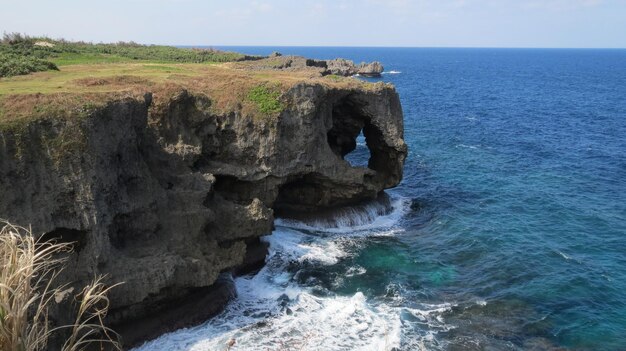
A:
(340, 67)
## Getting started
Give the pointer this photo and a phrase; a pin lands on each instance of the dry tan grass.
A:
(20, 108)
(27, 289)
(28, 268)
(66, 93)
(89, 328)
(123, 81)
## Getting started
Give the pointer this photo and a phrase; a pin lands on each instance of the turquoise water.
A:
(508, 231)
(518, 178)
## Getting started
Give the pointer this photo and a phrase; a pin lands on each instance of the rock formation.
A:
(374, 69)
(343, 67)
(168, 196)
(275, 54)
(340, 67)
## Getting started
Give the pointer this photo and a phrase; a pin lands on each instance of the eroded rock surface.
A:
(167, 195)
(345, 67)
(373, 69)
(340, 67)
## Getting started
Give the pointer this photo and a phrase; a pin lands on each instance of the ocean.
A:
(508, 231)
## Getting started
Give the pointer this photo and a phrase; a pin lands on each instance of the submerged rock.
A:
(165, 194)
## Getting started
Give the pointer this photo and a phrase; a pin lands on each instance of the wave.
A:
(565, 256)
(378, 216)
(392, 72)
(278, 309)
(473, 147)
(296, 245)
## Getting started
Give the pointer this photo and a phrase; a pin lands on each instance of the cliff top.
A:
(79, 77)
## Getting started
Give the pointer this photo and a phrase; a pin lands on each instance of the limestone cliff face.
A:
(166, 195)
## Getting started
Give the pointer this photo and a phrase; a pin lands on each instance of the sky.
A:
(412, 23)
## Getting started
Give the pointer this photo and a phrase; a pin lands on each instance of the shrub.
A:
(267, 98)
(14, 65)
(15, 38)
(21, 54)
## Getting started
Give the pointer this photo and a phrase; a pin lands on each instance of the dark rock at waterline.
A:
(192, 306)
(254, 260)
(164, 194)
(374, 69)
(356, 215)
(499, 325)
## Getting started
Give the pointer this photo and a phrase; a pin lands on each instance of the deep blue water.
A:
(515, 228)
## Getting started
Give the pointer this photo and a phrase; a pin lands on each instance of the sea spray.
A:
(276, 311)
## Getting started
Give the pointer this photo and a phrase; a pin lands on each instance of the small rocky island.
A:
(165, 177)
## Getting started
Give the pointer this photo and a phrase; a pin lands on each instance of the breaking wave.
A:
(283, 308)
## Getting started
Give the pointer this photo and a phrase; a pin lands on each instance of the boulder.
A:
(373, 69)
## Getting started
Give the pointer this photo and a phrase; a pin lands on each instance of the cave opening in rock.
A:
(356, 137)
(74, 237)
(360, 156)
(347, 137)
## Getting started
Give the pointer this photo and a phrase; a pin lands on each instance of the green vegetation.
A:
(267, 98)
(334, 77)
(20, 54)
(92, 75)
(15, 65)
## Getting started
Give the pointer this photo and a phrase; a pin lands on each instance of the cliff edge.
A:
(167, 182)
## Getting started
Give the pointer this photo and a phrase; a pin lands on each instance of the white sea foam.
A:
(295, 245)
(568, 257)
(392, 72)
(473, 147)
(375, 218)
(273, 311)
(356, 270)
(565, 256)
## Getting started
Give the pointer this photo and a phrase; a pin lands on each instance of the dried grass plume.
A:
(29, 269)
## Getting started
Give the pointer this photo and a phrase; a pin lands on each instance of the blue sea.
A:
(508, 231)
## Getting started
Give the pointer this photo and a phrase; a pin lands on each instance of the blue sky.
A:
(440, 23)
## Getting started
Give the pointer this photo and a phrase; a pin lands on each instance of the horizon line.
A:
(46, 36)
(399, 47)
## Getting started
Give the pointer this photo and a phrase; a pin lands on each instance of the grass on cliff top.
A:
(91, 75)
(76, 89)
(21, 54)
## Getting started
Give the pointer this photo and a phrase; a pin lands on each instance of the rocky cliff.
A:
(164, 192)
(339, 67)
